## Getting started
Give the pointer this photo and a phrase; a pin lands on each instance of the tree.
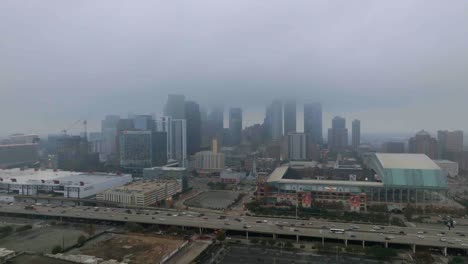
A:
(254, 240)
(271, 242)
(423, 258)
(57, 249)
(456, 260)
(133, 227)
(288, 245)
(81, 240)
(221, 236)
(381, 253)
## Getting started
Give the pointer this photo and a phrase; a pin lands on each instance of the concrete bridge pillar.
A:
(413, 247)
(297, 238)
(386, 244)
(363, 244)
(200, 231)
(247, 234)
(346, 242)
(274, 236)
(444, 250)
(323, 241)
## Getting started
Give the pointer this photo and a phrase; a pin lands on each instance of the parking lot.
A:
(217, 200)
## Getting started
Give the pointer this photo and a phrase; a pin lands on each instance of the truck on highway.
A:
(29, 207)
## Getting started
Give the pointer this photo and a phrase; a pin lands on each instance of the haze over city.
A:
(399, 66)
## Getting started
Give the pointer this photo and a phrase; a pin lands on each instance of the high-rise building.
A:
(393, 147)
(338, 134)
(193, 117)
(274, 120)
(135, 149)
(159, 148)
(423, 143)
(179, 141)
(176, 130)
(356, 134)
(297, 146)
(165, 125)
(313, 122)
(109, 136)
(143, 122)
(290, 117)
(73, 154)
(235, 126)
(449, 142)
(175, 106)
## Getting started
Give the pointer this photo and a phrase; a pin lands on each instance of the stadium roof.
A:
(407, 171)
(406, 161)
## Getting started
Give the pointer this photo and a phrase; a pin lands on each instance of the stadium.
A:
(397, 179)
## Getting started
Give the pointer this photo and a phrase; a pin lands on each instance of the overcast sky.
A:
(397, 65)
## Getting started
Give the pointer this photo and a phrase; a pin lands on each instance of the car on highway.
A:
(352, 235)
(443, 239)
(373, 230)
(421, 236)
(247, 226)
(402, 233)
(420, 232)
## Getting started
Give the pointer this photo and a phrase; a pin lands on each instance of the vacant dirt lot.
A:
(134, 247)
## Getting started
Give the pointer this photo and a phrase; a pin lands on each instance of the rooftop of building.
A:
(406, 161)
(143, 186)
(440, 161)
(45, 177)
(407, 170)
(166, 168)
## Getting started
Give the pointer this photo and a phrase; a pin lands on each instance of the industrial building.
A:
(64, 183)
(142, 193)
(399, 179)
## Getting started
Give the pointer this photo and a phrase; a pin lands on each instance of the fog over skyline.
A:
(398, 66)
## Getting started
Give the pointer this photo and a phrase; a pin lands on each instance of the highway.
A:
(273, 226)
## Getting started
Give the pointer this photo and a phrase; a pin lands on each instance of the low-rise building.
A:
(206, 162)
(55, 182)
(142, 193)
(167, 173)
(231, 177)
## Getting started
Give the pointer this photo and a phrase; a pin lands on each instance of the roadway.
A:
(431, 237)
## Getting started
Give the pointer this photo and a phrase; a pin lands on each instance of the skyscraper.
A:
(165, 125)
(423, 143)
(143, 122)
(159, 148)
(175, 106)
(290, 117)
(449, 142)
(135, 149)
(356, 134)
(193, 117)
(338, 134)
(235, 126)
(179, 141)
(313, 122)
(274, 120)
(109, 136)
(297, 146)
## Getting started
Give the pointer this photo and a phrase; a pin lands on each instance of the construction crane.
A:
(85, 125)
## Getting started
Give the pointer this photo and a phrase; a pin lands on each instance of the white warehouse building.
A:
(65, 183)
